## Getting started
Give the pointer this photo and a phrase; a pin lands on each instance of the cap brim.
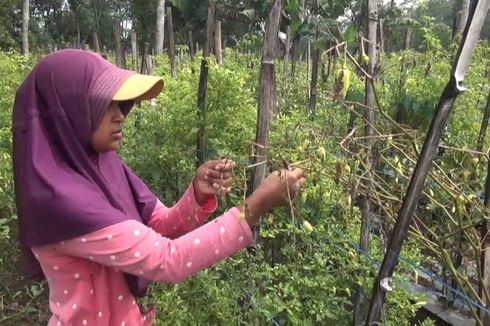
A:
(139, 87)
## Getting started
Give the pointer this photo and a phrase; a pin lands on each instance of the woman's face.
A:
(109, 132)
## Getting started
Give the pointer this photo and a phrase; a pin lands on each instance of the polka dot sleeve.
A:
(137, 249)
(183, 217)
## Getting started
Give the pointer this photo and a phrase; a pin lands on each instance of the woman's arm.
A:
(211, 179)
(134, 248)
(186, 215)
(137, 249)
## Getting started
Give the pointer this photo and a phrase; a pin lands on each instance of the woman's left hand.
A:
(213, 178)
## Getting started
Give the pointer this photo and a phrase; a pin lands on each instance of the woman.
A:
(86, 222)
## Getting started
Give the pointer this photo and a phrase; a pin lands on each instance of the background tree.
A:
(160, 27)
(25, 27)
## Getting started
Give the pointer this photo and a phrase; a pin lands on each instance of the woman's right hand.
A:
(272, 193)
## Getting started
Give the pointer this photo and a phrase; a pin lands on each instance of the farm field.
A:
(388, 121)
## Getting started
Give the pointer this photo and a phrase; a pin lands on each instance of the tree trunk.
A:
(287, 45)
(453, 88)
(123, 47)
(484, 127)
(171, 43)
(25, 27)
(456, 13)
(296, 39)
(95, 42)
(369, 117)
(294, 56)
(78, 33)
(192, 51)
(160, 28)
(147, 61)
(217, 42)
(381, 37)
(134, 51)
(463, 17)
(308, 63)
(408, 38)
(460, 16)
(203, 83)
(116, 27)
(267, 96)
(314, 77)
(326, 74)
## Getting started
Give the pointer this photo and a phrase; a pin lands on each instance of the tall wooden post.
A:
(315, 60)
(218, 51)
(267, 95)
(192, 50)
(484, 126)
(453, 88)
(203, 83)
(134, 51)
(287, 46)
(95, 42)
(116, 27)
(369, 117)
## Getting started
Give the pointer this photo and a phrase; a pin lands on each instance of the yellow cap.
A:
(139, 87)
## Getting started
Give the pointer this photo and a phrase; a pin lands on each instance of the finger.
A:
(210, 164)
(297, 173)
(225, 165)
(302, 181)
(226, 160)
(205, 175)
(219, 174)
(209, 190)
(222, 182)
(227, 183)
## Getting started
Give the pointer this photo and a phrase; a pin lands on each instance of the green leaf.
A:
(350, 34)
(292, 6)
(250, 13)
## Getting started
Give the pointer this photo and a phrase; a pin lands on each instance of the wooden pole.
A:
(134, 51)
(116, 27)
(95, 42)
(203, 83)
(217, 42)
(484, 126)
(453, 88)
(369, 117)
(314, 75)
(287, 47)
(192, 51)
(267, 96)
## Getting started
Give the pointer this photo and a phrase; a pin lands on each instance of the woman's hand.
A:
(213, 178)
(274, 191)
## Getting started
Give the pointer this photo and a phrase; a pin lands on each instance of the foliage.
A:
(229, 121)
(10, 18)
(295, 275)
(22, 302)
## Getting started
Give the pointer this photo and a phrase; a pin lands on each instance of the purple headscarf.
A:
(64, 189)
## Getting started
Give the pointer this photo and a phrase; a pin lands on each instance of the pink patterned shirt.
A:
(85, 275)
